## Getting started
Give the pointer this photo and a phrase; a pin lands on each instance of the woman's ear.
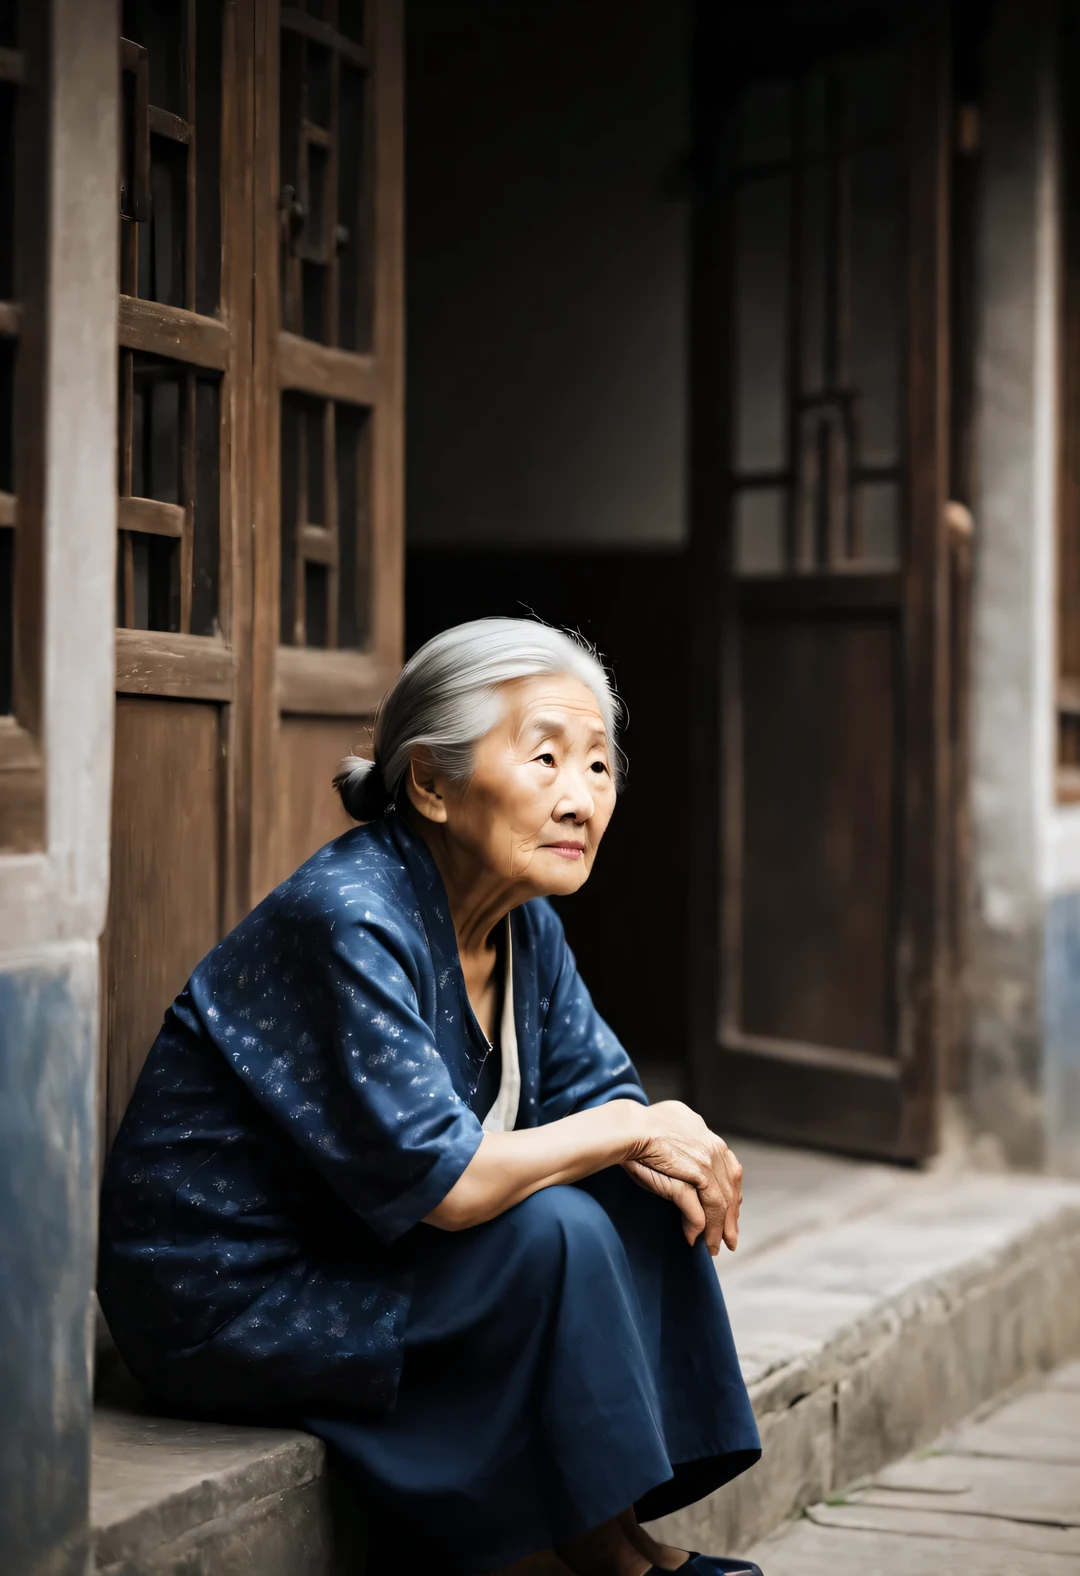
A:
(421, 787)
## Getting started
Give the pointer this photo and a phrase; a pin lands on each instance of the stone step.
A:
(999, 1495)
(877, 1309)
(862, 1341)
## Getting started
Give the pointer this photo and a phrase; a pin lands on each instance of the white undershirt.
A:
(503, 1114)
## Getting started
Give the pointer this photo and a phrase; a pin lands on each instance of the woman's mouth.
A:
(567, 850)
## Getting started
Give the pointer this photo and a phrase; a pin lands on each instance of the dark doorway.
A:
(547, 269)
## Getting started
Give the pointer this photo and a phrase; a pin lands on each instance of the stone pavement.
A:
(999, 1496)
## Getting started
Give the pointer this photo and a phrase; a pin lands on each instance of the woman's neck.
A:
(479, 899)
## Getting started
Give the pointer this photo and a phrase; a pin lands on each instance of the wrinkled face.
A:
(543, 790)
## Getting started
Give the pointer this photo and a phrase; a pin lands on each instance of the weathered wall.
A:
(52, 905)
(1024, 1083)
(48, 1084)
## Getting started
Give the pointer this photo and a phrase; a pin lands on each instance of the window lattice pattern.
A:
(326, 174)
(170, 254)
(818, 224)
(325, 476)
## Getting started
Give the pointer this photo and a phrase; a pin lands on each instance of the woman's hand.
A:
(666, 1148)
(681, 1160)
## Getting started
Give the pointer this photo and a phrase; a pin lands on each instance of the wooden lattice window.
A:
(23, 185)
(337, 314)
(325, 175)
(325, 479)
(326, 281)
(173, 347)
(818, 233)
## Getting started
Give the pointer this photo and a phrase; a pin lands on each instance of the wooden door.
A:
(259, 463)
(820, 469)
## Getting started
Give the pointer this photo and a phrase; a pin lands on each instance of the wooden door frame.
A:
(902, 1111)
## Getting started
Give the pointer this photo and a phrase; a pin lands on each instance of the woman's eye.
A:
(598, 766)
(547, 759)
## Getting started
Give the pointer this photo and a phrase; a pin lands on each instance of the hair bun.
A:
(362, 788)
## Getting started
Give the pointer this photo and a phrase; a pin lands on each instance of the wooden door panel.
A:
(259, 588)
(179, 861)
(819, 820)
(819, 528)
(310, 813)
(168, 797)
(803, 1097)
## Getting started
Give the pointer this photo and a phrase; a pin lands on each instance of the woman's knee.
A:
(557, 1221)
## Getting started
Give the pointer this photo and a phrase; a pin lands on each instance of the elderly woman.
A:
(387, 1173)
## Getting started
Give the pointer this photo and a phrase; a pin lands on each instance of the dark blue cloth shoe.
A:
(711, 1565)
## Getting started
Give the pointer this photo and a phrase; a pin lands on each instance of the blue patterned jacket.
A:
(304, 1107)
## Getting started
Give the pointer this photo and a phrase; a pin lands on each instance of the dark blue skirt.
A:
(562, 1362)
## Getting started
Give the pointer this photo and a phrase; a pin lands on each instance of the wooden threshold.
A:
(330, 683)
(181, 667)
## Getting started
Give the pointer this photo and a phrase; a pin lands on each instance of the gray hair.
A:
(447, 698)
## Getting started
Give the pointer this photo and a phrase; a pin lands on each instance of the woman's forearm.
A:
(508, 1167)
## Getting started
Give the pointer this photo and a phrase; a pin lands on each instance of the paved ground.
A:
(999, 1495)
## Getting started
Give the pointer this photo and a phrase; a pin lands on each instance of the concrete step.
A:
(1001, 1495)
(872, 1309)
(863, 1340)
(176, 1498)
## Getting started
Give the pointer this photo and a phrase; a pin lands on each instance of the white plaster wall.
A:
(547, 273)
(60, 895)
(1013, 637)
(52, 904)
(1025, 977)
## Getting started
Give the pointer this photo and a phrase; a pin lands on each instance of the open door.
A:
(821, 450)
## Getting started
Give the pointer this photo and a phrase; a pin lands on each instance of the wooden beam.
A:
(827, 594)
(330, 683)
(150, 516)
(163, 123)
(319, 546)
(311, 131)
(326, 372)
(322, 33)
(834, 1057)
(170, 331)
(183, 667)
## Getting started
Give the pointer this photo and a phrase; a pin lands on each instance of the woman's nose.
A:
(577, 802)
